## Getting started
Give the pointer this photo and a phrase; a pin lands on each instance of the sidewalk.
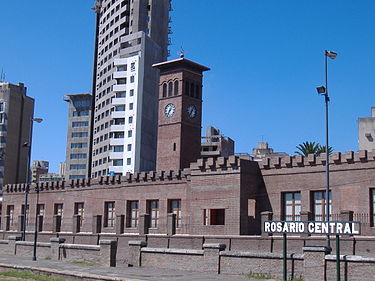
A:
(85, 272)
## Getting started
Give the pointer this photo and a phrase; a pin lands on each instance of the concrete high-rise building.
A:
(16, 114)
(77, 162)
(366, 132)
(132, 35)
(38, 168)
(215, 144)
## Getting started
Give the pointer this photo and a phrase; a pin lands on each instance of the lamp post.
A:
(323, 90)
(27, 189)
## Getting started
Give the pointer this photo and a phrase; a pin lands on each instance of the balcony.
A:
(116, 155)
(116, 169)
(119, 74)
(120, 61)
(117, 114)
(119, 88)
(116, 142)
(118, 128)
(117, 101)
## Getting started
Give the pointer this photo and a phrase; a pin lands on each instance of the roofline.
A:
(163, 64)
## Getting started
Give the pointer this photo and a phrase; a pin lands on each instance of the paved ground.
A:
(117, 273)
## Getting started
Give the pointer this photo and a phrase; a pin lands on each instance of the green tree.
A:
(308, 147)
(322, 149)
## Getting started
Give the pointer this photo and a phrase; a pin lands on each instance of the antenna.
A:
(2, 76)
(98, 6)
(182, 52)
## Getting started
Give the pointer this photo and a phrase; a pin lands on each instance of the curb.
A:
(73, 275)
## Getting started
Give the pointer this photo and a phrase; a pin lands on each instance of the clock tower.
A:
(180, 113)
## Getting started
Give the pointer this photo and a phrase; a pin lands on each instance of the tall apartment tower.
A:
(132, 35)
(77, 159)
(16, 113)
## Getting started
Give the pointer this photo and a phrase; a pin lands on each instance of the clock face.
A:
(192, 111)
(169, 110)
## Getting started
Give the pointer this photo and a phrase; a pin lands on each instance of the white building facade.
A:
(133, 35)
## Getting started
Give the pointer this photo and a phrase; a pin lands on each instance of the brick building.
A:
(191, 195)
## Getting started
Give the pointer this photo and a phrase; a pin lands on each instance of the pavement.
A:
(110, 273)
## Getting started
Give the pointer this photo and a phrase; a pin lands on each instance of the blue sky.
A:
(266, 59)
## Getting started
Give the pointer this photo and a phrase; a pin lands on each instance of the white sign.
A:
(313, 227)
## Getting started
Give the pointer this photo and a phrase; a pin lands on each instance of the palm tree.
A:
(322, 149)
(308, 147)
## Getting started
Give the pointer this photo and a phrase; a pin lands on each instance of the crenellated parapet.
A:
(337, 158)
(230, 163)
(117, 180)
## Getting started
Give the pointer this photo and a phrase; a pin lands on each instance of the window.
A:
(121, 68)
(129, 147)
(170, 89)
(197, 92)
(118, 162)
(2, 107)
(79, 209)
(175, 208)
(118, 135)
(118, 148)
(132, 92)
(81, 113)
(130, 119)
(109, 214)
(132, 66)
(372, 207)
(176, 88)
(130, 133)
(165, 90)
(78, 156)
(120, 108)
(58, 209)
(319, 205)
(74, 177)
(121, 81)
(10, 214)
(27, 212)
(80, 134)
(292, 206)
(78, 145)
(77, 166)
(80, 124)
(187, 88)
(120, 121)
(153, 210)
(133, 214)
(2, 118)
(132, 79)
(40, 209)
(121, 95)
(131, 106)
(128, 161)
(214, 217)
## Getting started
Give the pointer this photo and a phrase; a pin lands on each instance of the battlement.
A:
(337, 158)
(217, 164)
(129, 178)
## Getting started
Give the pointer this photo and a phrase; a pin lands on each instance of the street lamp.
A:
(28, 144)
(323, 90)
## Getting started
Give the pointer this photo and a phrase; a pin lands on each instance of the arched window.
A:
(187, 88)
(175, 88)
(164, 90)
(197, 92)
(170, 89)
(192, 90)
